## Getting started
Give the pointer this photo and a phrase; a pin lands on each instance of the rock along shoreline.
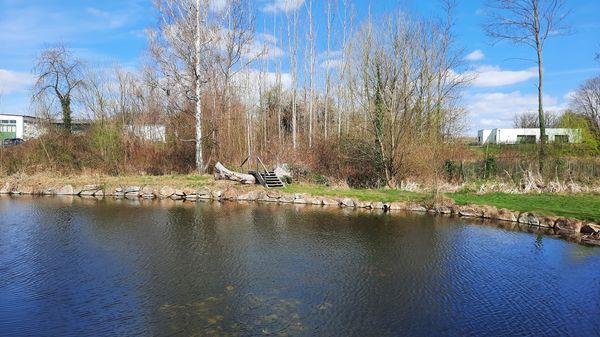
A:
(584, 232)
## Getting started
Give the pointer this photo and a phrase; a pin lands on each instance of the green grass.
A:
(584, 206)
(381, 195)
(193, 181)
(554, 151)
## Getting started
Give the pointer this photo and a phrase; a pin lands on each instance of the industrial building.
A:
(18, 126)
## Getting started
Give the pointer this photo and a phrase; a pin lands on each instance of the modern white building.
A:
(28, 127)
(527, 136)
(18, 126)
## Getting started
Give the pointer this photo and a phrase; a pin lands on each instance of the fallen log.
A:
(222, 173)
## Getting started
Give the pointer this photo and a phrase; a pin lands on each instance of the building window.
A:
(526, 139)
(561, 139)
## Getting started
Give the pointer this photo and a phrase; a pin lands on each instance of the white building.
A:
(150, 132)
(18, 126)
(28, 127)
(527, 136)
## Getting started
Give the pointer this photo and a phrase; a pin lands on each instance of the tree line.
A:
(382, 105)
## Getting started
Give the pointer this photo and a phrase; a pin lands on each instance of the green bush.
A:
(487, 168)
(451, 169)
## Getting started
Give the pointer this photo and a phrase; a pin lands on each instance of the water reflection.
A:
(138, 267)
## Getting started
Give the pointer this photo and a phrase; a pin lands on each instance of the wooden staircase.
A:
(265, 177)
(271, 180)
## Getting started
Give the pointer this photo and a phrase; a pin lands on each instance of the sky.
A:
(112, 32)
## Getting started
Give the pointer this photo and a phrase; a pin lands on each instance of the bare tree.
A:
(184, 48)
(586, 101)
(236, 40)
(328, 69)
(200, 20)
(528, 22)
(311, 72)
(59, 72)
(406, 90)
(530, 120)
(292, 32)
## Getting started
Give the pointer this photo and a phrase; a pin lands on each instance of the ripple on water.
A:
(163, 268)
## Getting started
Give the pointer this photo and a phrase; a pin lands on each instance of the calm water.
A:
(72, 267)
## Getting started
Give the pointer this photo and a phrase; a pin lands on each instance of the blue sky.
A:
(113, 31)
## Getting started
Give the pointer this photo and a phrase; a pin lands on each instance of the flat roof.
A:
(16, 115)
(527, 129)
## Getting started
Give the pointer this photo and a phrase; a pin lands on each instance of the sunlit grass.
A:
(382, 195)
(585, 206)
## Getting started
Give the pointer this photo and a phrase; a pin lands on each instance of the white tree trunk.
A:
(311, 75)
(222, 173)
(199, 160)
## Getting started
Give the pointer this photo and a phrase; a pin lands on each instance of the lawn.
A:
(382, 195)
(177, 181)
(585, 206)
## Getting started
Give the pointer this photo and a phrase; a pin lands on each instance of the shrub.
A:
(451, 169)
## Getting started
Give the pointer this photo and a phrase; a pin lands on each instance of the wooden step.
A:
(270, 180)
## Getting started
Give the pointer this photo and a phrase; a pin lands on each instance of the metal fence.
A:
(582, 170)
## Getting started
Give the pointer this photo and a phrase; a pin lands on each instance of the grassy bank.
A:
(584, 206)
(382, 195)
(177, 181)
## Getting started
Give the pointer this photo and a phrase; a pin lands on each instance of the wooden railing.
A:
(260, 168)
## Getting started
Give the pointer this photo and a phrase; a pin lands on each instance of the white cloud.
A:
(266, 37)
(218, 6)
(12, 82)
(490, 122)
(248, 82)
(263, 46)
(332, 59)
(283, 6)
(332, 64)
(476, 55)
(104, 19)
(493, 76)
(497, 109)
(262, 51)
(330, 54)
(569, 95)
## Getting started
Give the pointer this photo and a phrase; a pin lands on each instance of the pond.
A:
(78, 267)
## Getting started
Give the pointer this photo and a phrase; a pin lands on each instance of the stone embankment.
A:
(573, 229)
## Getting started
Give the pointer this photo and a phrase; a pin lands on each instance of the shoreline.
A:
(576, 230)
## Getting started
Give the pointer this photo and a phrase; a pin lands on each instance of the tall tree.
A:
(292, 31)
(183, 47)
(328, 69)
(529, 22)
(198, 85)
(59, 72)
(311, 37)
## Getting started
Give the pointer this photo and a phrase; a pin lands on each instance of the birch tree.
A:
(183, 46)
(311, 37)
(328, 70)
